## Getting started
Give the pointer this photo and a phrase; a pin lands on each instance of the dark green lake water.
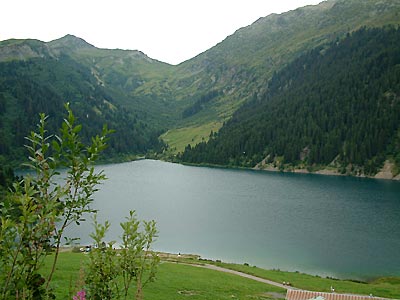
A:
(332, 226)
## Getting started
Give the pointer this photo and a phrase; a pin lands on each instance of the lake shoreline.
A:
(285, 221)
(195, 259)
(381, 175)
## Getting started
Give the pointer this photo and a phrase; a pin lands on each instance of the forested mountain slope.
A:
(338, 104)
(36, 78)
(141, 98)
(239, 67)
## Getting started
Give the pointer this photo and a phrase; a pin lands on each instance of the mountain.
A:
(144, 99)
(40, 77)
(239, 67)
(122, 73)
(338, 105)
(71, 43)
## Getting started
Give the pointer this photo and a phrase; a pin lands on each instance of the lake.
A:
(342, 227)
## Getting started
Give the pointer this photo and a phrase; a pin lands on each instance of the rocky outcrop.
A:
(23, 50)
(387, 172)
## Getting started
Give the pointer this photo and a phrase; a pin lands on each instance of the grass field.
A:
(179, 281)
(174, 281)
(178, 139)
(383, 287)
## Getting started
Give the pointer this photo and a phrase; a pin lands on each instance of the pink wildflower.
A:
(80, 295)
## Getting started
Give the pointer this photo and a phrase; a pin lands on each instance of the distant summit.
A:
(70, 42)
(15, 49)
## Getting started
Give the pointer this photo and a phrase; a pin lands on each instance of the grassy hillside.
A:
(124, 72)
(177, 139)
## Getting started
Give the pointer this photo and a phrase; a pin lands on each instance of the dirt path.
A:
(270, 282)
(286, 287)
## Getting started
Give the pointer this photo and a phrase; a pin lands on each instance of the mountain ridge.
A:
(187, 101)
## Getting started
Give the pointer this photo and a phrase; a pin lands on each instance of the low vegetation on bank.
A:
(177, 279)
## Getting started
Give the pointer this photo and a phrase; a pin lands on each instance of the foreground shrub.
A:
(135, 262)
(42, 199)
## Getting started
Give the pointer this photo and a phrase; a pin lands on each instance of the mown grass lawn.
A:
(174, 281)
(383, 287)
(181, 281)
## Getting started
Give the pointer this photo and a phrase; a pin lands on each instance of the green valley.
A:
(159, 108)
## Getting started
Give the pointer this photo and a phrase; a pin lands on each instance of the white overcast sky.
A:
(168, 30)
